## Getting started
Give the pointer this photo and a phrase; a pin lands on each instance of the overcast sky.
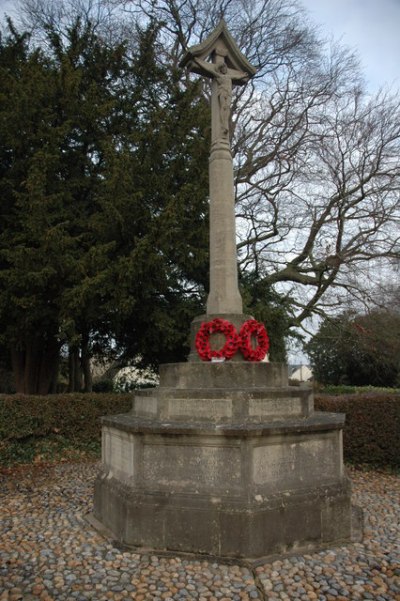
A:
(372, 27)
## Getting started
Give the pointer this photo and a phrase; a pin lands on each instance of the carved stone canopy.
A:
(221, 48)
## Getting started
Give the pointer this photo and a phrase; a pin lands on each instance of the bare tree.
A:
(317, 159)
(39, 16)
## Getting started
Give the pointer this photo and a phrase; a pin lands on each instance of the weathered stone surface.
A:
(192, 465)
(251, 405)
(230, 490)
(118, 451)
(220, 526)
(189, 456)
(224, 392)
(227, 375)
(297, 461)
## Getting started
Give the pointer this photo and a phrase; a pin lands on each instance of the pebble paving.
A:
(49, 552)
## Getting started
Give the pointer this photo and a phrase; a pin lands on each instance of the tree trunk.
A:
(87, 373)
(49, 364)
(35, 366)
(18, 368)
(75, 371)
(71, 371)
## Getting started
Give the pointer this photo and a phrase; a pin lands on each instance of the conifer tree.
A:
(104, 230)
(31, 235)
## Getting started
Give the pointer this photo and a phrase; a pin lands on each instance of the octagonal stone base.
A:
(225, 460)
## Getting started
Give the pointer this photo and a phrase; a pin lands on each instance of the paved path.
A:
(48, 551)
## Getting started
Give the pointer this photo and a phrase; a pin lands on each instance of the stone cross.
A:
(219, 59)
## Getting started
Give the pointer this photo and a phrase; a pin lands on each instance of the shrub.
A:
(372, 430)
(346, 389)
(64, 421)
(103, 386)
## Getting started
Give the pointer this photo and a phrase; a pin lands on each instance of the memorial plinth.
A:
(224, 459)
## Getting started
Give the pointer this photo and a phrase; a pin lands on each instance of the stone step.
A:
(206, 404)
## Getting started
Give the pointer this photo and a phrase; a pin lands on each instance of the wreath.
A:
(253, 328)
(202, 341)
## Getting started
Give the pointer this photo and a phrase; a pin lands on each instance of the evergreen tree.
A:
(104, 192)
(162, 260)
(31, 237)
(359, 350)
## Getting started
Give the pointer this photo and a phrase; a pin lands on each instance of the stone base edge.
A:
(299, 523)
(249, 562)
(317, 422)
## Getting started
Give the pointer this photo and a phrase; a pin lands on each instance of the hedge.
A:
(372, 429)
(43, 427)
(32, 426)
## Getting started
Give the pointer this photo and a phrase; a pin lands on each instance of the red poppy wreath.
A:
(251, 328)
(202, 341)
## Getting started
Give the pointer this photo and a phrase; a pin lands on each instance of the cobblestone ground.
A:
(48, 551)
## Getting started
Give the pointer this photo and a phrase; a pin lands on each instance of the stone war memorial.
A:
(224, 458)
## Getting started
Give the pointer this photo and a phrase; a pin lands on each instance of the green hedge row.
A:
(372, 430)
(51, 426)
(72, 415)
(346, 389)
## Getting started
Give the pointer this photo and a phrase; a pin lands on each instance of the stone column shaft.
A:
(224, 296)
